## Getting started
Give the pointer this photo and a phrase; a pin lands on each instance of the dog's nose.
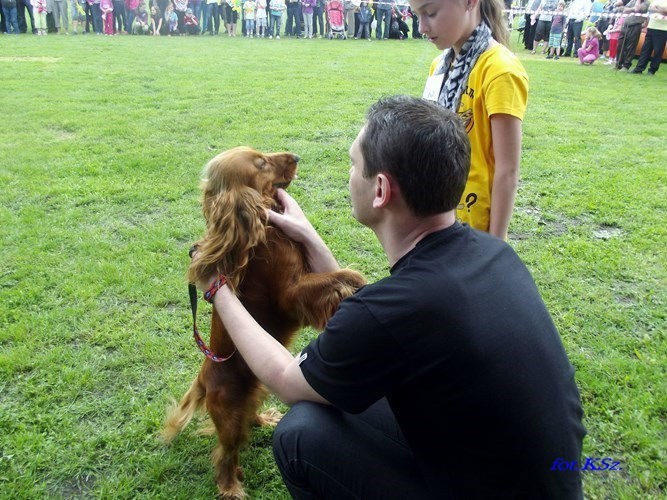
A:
(297, 158)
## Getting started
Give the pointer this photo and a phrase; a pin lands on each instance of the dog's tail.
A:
(179, 415)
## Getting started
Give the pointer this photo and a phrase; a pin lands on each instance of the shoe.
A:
(623, 70)
(550, 56)
(532, 51)
(650, 74)
(567, 54)
(636, 72)
(277, 37)
(556, 57)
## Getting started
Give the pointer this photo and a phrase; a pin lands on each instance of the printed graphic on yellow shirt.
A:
(468, 120)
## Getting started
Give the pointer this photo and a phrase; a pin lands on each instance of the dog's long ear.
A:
(236, 223)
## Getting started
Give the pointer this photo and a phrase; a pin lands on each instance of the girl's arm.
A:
(506, 138)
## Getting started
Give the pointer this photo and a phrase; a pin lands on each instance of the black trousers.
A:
(653, 48)
(627, 44)
(325, 453)
(21, 7)
(529, 33)
(573, 37)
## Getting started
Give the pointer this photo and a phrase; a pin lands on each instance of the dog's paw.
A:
(269, 418)
(351, 279)
(346, 283)
(234, 492)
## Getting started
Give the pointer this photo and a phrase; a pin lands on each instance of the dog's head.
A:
(244, 168)
(238, 187)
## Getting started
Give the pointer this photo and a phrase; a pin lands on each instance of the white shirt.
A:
(579, 9)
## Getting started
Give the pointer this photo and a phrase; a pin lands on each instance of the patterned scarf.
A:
(458, 70)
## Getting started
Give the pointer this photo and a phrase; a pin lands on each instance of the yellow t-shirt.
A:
(498, 84)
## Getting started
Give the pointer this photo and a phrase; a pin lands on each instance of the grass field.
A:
(102, 144)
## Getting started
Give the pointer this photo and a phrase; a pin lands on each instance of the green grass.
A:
(102, 144)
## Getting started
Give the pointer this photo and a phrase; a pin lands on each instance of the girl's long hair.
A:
(492, 13)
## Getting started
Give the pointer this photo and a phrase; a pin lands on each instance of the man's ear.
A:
(382, 191)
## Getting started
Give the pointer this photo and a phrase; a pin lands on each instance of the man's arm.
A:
(295, 225)
(268, 359)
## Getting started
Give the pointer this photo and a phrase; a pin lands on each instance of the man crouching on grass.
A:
(445, 379)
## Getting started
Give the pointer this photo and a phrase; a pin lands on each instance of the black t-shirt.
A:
(460, 342)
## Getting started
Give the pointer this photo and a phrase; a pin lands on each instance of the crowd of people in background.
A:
(552, 25)
(614, 36)
(257, 18)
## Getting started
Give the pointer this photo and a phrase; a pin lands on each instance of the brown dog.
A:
(270, 275)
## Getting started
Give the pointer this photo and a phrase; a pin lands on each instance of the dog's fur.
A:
(270, 275)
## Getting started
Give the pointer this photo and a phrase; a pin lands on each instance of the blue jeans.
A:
(275, 21)
(386, 16)
(129, 19)
(11, 20)
(205, 16)
(197, 8)
(323, 452)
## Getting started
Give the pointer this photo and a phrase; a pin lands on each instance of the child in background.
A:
(558, 22)
(365, 17)
(106, 6)
(307, 7)
(140, 24)
(249, 12)
(156, 20)
(190, 22)
(39, 13)
(590, 50)
(260, 18)
(171, 20)
(78, 14)
(276, 7)
(614, 32)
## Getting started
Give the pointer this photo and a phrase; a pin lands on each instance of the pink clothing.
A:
(613, 35)
(613, 47)
(107, 18)
(39, 6)
(590, 51)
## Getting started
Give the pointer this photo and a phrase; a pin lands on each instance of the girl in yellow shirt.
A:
(480, 79)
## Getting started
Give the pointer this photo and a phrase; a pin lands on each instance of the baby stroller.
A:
(336, 19)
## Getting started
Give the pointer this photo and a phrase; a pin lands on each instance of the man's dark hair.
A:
(423, 146)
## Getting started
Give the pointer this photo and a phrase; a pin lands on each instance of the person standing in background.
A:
(577, 13)
(630, 33)
(531, 24)
(11, 19)
(60, 16)
(656, 37)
